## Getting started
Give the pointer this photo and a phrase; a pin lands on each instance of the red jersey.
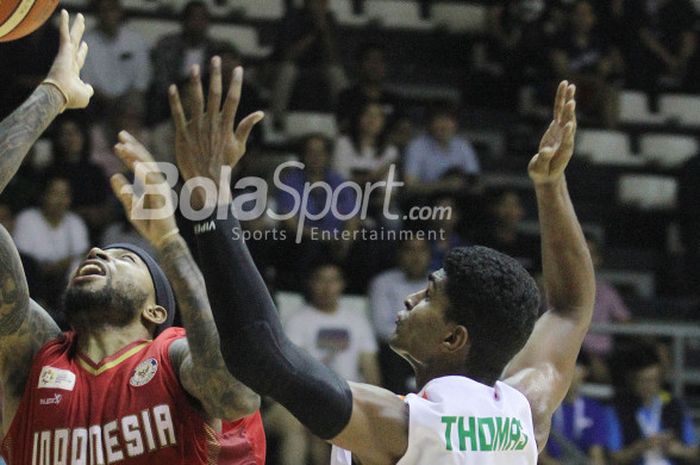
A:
(128, 409)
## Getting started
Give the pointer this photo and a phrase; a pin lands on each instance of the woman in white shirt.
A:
(363, 154)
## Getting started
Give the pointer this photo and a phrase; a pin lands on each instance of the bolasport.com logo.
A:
(317, 209)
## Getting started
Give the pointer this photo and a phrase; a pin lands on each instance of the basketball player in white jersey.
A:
(490, 378)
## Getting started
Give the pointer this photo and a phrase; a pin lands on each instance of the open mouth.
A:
(91, 268)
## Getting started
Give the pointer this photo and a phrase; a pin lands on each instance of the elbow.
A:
(245, 404)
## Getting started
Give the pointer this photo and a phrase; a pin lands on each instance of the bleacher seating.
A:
(302, 123)
(606, 147)
(245, 38)
(647, 191)
(266, 10)
(459, 17)
(634, 109)
(397, 14)
(685, 109)
(668, 150)
(154, 29)
(344, 14)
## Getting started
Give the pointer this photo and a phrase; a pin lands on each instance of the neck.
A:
(329, 307)
(425, 373)
(53, 218)
(366, 140)
(103, 342)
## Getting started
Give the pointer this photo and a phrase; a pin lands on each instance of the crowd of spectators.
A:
(60, 202)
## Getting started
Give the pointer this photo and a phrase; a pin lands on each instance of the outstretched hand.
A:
(557, 144)
(207, 141)
(65, 71)
(151, 211)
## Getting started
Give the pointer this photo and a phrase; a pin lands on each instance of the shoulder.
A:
(30, 214)
(73, 220)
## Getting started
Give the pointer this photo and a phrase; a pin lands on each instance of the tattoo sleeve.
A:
(222, 396)
(22, 128)
(14, 294)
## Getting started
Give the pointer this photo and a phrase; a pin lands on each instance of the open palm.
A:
(557, 144)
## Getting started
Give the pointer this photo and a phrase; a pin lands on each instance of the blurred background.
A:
(455, 95)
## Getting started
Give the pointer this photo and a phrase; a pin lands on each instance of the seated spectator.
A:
(364, 155)
(119, 60)
(306, 41)
(446, 224)
(175, 54)
(609, 308)
(31, 267)
(648, 425)
(370, 86)
(387, 294)
(579, 432)
(666, 42)
(582, 54)
(440, 161)
(315, 154)
(90, 187)
(339, 336)
(503, 232)
(53, 236)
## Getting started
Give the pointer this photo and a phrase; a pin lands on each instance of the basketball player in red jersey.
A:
(121, 386)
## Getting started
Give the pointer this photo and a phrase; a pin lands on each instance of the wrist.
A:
(550, 186)
(166, 239)
(56, 88)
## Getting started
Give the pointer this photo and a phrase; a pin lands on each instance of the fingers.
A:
(196, 94)
(233, 98)
(215, 85)
(560, 100)
(76, 32)
(82, 54)
(176, 110)
(123, 190)
(64, 28)
(130, 151)
(244, 128)
(567, 144)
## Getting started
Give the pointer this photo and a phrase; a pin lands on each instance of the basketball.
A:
(19, 18)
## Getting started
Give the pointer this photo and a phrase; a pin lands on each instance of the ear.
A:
(155, 314)
(457, 339)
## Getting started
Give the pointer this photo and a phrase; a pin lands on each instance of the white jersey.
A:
(457, 421)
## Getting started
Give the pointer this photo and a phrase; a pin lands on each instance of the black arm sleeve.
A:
(254, 346)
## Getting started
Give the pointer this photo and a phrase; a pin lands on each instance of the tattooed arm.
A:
(198, 359)
(203, 372)
(24, 327)
(22, 128)
(62, 89)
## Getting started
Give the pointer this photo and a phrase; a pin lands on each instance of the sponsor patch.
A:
(144, 372)
(55, 400)
(56, 378)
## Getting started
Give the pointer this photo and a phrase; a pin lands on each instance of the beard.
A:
(113, 306)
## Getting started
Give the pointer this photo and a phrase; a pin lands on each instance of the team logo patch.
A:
(55, 378)
(144, 372)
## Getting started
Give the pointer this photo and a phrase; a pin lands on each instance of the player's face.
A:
(422, 327)
(108, 287)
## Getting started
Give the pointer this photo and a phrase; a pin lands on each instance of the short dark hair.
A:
(442, 108)
(306, 139)
(493, 296)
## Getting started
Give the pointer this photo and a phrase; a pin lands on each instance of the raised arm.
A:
(543, 370)
(198, 359)
(256, 350)
(61, 89)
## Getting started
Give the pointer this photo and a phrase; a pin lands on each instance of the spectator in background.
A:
(339, 336)
(316, 156)
(89, 186)
(119, 61)
(387, 294)
(175, 54)
(370, 86)
(503, 232)
(648, 426)
(666, 42)
(609, 308)
(440, 161)
(53, 236)
(24, 63)
(306, 41)
(31, 267)
(584, 55)
(446, 223)
(579, 432)
(364, 155)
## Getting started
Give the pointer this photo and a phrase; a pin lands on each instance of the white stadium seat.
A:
(668, 150)
(397, 14)
(245, 38)
(343, 11)
(647, 192)
(684, 108)
(262, 9)
(634, 108)
(153, 30)
(299, 124)
(606, 147)
(459, 17)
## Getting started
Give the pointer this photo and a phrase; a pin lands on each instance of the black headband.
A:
(164, 292)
